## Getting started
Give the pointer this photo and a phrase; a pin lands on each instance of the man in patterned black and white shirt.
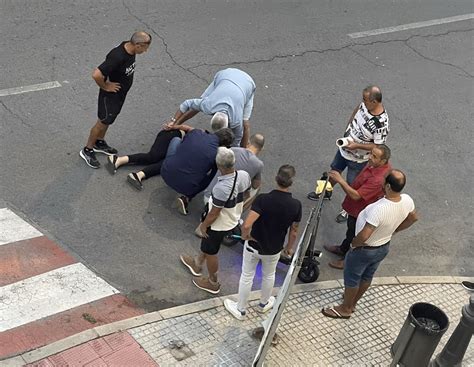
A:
(367, 127)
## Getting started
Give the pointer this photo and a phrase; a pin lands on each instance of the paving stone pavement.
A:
(307, 338)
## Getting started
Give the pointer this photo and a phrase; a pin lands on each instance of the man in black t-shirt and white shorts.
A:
(114, 78)
(264, 230)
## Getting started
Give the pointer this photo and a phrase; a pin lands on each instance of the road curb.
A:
(123, 325)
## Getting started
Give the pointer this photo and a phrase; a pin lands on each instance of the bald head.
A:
(396, 179)
(140, 37)
(257, 141)
(374, 93)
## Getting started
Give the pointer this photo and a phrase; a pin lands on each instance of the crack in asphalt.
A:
(342, 48)
(306, 52)
(165, 44)
(14, 114)
(437, 61)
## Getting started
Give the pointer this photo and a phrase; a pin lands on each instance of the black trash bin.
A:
(419, 336)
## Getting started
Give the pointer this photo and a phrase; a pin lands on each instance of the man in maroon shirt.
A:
(366, 189)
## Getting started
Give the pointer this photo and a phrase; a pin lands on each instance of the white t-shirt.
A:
(386, 216)
(365, 128)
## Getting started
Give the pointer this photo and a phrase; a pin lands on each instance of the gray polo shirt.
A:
(231, 208)
(244, 160)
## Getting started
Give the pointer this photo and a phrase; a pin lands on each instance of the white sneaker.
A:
(231, 306)
(266, 307)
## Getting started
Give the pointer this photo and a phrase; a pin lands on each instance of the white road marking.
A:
(29, 88)
(404, 27)
(13, 228)
(50, 293)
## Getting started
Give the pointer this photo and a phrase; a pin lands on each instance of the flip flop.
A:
(111, 167)
(133, 180)
(335, 315)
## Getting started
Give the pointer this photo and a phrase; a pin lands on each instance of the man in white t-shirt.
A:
(374, 229)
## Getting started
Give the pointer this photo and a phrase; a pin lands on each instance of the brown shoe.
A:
(337, 264)
(334, 249)
(189, 262)
(207, 285)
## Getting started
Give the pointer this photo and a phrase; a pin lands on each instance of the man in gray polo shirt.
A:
(225, 209)
(246, 159)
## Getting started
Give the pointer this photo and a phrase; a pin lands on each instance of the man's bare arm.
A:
(409, 220)
(246, 135)
(289, 248)
(363, 235)
(352, 116)
(247, 226)
(104, 84)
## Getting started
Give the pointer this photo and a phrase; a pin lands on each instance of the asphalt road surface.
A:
(309, 74)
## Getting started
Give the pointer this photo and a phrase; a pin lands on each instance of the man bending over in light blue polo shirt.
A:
(230, 97)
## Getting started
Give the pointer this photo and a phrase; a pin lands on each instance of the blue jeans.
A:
(340, 163)
(360, 264)
(173, 146)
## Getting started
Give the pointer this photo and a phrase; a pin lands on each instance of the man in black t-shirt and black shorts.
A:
(114, 78)
(264, 230)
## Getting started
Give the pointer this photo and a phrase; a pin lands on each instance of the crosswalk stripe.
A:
(49, 293)
(27, 258)
(13, 228)
(61, 325)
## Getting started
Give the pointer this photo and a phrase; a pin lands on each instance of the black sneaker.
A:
(89, 157)
(101, 146)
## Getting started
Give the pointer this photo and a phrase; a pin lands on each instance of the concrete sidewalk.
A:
(209, 335)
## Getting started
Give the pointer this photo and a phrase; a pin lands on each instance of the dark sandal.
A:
(335, 314)
(111, 161)
(133, 180)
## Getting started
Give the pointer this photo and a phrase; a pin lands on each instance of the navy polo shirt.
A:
(190, 170)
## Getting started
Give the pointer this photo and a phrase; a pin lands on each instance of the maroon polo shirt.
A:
(368, 184)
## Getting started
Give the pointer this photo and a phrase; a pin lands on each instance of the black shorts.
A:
(212, 244)
(109, 106)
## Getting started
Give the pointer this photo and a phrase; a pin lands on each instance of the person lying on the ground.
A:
(190, 165)
(155, 157)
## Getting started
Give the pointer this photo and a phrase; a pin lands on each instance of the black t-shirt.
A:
(119, 67)
(278, 211)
